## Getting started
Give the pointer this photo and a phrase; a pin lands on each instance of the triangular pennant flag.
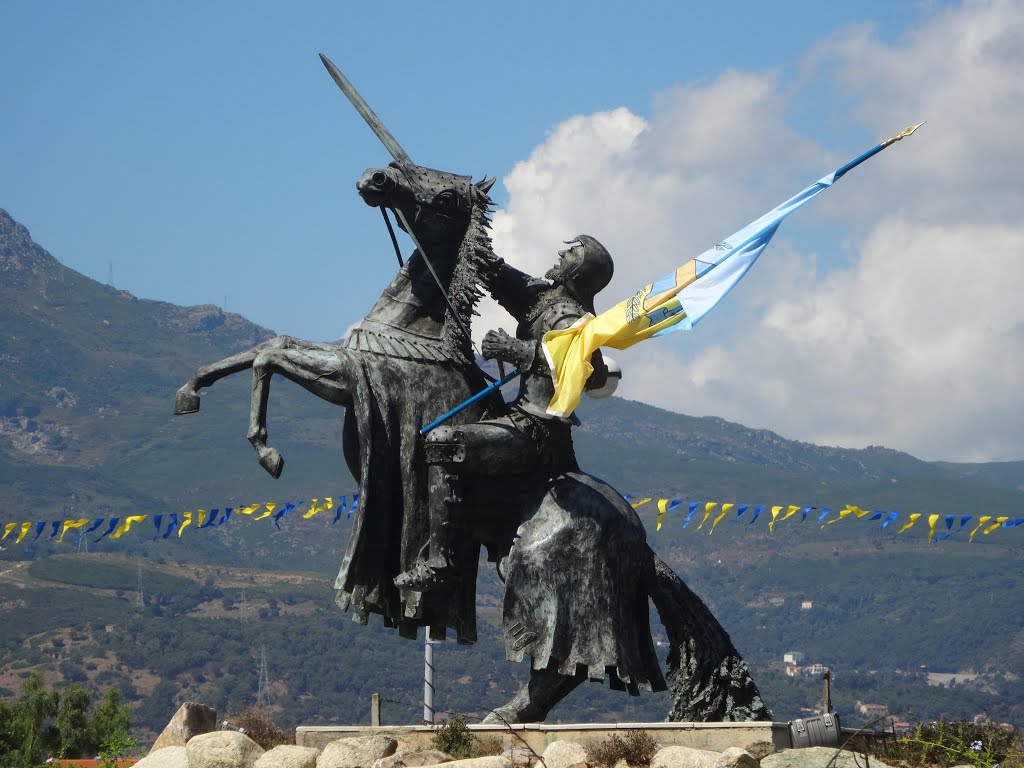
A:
(726, 508)
(68, 525)
(913, 519)
(693, 508)
(126, 526)
(341, 508)
(110, 528)
(708, 508)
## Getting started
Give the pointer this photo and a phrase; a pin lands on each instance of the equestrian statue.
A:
(572, 553)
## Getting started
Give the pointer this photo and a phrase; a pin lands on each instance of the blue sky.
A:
(202, 150)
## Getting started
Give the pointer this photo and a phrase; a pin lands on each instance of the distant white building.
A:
(872, 711)
(806, 605)
(814, 669)
(792, 657)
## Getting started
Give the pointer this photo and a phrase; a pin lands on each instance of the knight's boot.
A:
(186, 400)
(439, 568)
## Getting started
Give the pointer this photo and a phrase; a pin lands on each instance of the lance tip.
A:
(908, 131)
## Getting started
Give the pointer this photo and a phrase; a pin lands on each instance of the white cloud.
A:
(916, 341)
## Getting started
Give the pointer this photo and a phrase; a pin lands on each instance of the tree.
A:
(37, 705)
(110, 719)
(74, 732)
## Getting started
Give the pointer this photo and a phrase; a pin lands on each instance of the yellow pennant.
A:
(186, 521)
(124, 527)
(775, 515)
(850, 509)
(932, 521)
(7, 530)
(662, 509)
(268, 513)
(248, 510)
(200, 517)
(999, 521)
(68, 525)
(913, 519)
(981, 522)
(707, 512)
(24, 532)
(724, 512)
(315, 510)
(640, 503)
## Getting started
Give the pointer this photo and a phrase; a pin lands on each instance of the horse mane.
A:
(475, 263)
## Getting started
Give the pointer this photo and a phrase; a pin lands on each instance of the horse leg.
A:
(534, 700)
(187, 398)
(317, 368)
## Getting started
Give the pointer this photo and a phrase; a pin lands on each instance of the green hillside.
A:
(86, 392)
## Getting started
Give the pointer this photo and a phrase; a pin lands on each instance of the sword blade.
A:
(368, 114)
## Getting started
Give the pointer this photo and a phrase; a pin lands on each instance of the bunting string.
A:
(708, 515)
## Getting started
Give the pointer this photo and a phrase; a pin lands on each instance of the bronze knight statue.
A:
(578, 572)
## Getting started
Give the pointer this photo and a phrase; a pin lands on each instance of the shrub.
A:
(258, 726)
(635, 747)
(454, 738)
(945, 743)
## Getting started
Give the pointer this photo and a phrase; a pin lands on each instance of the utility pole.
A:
(263, 689)
(139, 598)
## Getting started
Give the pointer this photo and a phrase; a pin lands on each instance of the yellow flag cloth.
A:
(723, 513)
(24, 532)
(843, 513)
(708, 508)
(68, 525)
(932, 521)
(248, 510)
(662, 508)
(313, 510)
(981, 522)
(269, 511)
(640, 503)
(568, 351)
(124, 527)
(913, 519)
(999, 521)
(7, 530)
(186, 521)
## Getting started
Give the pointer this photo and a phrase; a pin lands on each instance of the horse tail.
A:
(710, 681)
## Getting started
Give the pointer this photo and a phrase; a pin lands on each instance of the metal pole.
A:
(428, 681)
(375, 710)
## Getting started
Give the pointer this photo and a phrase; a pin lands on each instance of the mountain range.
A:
(87, 381)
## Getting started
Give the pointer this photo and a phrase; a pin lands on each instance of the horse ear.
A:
(485, 184)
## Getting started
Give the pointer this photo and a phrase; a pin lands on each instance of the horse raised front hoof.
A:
(186, 401)
(272, 461)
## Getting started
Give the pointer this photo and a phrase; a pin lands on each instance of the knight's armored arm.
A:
(513, 289)
(498, 345)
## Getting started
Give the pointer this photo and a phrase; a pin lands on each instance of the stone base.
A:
(716, 737)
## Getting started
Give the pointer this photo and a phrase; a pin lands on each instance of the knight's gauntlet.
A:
(498, 345)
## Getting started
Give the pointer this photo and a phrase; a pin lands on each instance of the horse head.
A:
(438, 205)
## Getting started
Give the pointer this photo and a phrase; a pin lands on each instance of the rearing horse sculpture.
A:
(573, 553)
